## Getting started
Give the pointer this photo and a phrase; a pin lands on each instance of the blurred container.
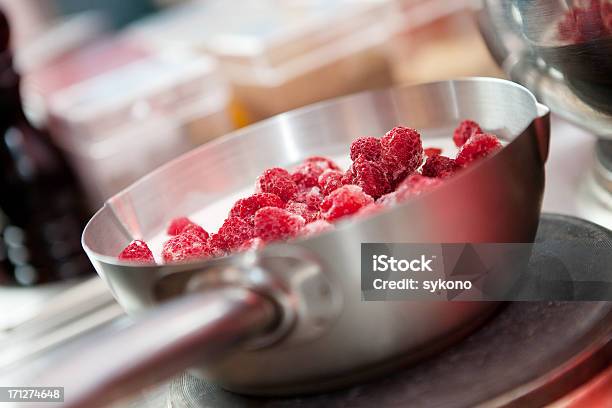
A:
(281, 55)
(439, 40)
(118, 125)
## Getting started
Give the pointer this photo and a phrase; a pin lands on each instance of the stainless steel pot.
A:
(290, 318)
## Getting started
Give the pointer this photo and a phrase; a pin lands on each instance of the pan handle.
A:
(115, 361)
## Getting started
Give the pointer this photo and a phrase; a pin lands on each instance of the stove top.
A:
(527, 354)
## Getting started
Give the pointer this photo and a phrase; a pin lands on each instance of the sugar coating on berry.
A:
(415, 185)
(367, 147)
(306, 175)
(246, 208)
(432, 151)
(196, 229)
(370, 176)
(330, 180)
(323, 162)
(312, 197)
(439, 166)
(316, 227)
(187, 246)
(272, 224)
(233, 233)
(477, 147)
(277, 181)
(137, 251)
(303, 210)
(344, 201)
(402, 152)
(464, 131)
(177, 225)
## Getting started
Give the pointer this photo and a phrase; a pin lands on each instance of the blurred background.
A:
(158, 77)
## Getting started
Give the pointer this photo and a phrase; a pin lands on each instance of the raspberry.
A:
(177, 225)
(464, 131)
(311, 197)
(187, 246)
(367, 147)
(302, 210)
(252, 244)
(137, 251)
(440, 166)
(477, 147)
(370, 176)
(233, 233)
(586, 23)
(344, 201)
(195, 229)
(330, 180)
(347, 177)
(414, 185)
(323, 162)
(432, 151)
(402, 152)
(272, 223)
(306, 175)
(316, 227)
(246, 208)
(277, 181)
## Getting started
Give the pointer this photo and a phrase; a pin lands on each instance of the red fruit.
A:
(477, 147)
(306, 175)
(323, 162)
(183, 224)
(233, 233)
(366, 147)
(440, 166)
(414, 185)
(187, 246)
(302, 210)
(277, 181)
(316, 227)
(464, 131)
(347, 177)
(137, 251)
(246, 208)
(272, 223)
(311, 197)
(330, 180)
(402, 152)
(432, 151)
(344, 201)
(370, 176)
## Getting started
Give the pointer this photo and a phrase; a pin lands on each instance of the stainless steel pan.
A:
(290, 319)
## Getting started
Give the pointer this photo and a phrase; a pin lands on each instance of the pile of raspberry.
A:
(587, 20)
(317, 193)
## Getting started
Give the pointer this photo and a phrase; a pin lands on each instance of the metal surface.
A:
(573, 79)
(527, 355)
(199, 326)
(315, 282)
